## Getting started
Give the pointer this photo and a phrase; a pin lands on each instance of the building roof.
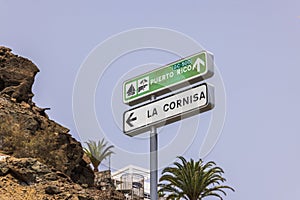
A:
(132, 169)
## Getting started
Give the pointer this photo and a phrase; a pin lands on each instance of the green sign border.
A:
(174, 84)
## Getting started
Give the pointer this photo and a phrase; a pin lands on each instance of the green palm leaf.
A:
(97, 152)
(192, 180)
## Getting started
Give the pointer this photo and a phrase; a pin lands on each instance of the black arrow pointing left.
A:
(130, 119)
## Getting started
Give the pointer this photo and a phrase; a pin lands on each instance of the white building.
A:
(133, 181)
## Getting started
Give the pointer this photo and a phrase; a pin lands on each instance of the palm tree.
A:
(193, 180)
(97, 152)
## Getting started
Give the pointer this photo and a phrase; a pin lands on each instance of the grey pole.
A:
(153, 160)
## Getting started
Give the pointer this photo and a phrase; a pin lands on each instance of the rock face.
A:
(26, 130)
(27, 178)
(16, 75)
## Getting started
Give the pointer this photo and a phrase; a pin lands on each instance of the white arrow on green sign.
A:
(169, 77)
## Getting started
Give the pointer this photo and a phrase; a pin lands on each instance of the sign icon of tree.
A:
(131, 90)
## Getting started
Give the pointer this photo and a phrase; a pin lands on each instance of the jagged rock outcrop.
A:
(26, 130)
(27, 178)
(16, 75)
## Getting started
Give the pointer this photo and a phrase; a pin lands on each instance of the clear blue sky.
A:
(256, 46)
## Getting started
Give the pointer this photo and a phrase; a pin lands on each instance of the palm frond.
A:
(97, 152)
(193, 180)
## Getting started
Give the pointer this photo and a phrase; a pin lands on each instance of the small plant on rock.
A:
(97, 152)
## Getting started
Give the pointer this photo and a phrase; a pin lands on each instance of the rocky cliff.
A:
(27, 132)
(29, 179)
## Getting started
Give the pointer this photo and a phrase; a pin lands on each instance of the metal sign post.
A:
(153, 160)
(164, 111)
(170, 109)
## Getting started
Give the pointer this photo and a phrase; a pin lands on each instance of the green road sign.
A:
(169, 77)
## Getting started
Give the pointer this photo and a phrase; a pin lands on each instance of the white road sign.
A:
(169, 109)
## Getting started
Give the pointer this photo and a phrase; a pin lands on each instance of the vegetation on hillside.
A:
(97, 152)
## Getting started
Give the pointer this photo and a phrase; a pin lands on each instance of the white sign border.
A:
(208, 106)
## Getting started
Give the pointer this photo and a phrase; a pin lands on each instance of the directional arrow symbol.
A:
(198, 63)
(129, 119)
